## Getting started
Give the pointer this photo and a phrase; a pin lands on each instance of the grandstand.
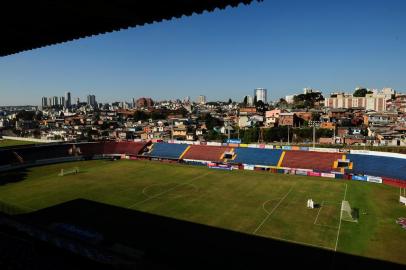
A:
(49, 153)
(257, 156)
(310, 160)
(377, 165)
(206, 153)
(167, 150)
(390, 169)
(127, 148)
(40, 152)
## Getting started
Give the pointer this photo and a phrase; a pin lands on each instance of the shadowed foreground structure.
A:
(33, 24)
(129, 239)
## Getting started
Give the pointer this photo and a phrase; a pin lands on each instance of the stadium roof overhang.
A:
(27, 25)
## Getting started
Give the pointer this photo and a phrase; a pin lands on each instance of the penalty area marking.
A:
(145, 189)
(264, 204)
(273, 210)
(168, 190)
(318, 213)
(341, 213)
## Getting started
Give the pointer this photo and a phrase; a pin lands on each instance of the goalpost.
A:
(346, 212)
(71, 171)
(402, 195)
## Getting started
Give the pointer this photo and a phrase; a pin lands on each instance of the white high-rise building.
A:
(290, 98)
(44, 102)
(54, 101)
(261, 94)
(62, 101)
(201, 99)
(250, 100)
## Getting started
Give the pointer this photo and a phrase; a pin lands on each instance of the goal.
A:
(402, 196)
(71, 171)
(347, 214)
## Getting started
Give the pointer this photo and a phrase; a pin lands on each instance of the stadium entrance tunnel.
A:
(120, 238)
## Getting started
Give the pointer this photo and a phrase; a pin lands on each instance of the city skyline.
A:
(57, 99)
(283, 46)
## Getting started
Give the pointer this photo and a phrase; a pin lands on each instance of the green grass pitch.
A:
(261, 203)
(5, 143)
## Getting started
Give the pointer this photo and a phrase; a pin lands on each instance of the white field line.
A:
(341, 213)
(144, 190)
(169, 190)
(270, 213)
(263, 205)
(327, 226)
(318, 213)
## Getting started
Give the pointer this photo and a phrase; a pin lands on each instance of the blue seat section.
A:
(378, 166)
(257, 156)
(167, 150)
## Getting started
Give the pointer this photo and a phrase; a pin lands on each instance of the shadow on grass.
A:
(156, 242)
(13, 176)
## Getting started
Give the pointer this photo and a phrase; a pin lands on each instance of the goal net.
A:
(347, 213)
(71, 171)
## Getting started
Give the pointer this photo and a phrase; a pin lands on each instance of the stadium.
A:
(238, 205)
(184, 205)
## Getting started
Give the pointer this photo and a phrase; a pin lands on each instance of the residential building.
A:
(373, 101)
(272, 117)
(201, 99)
(290, 98)
(62, 101)
(91, 100)
(55, 101)
(44, 102)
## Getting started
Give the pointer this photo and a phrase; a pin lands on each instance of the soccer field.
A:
(260, 203)
(5, 143)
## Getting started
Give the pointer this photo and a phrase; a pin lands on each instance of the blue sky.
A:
(283, 46)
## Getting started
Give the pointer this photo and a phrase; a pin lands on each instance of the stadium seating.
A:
(31, 154)
(310, 160)
(167, 150)
(88, 149)
(378, 166)
(128, 148)
(257, 156)
(207, 153)
(391, 168)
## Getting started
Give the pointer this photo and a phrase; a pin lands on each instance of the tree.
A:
(260, 106)
(210, 121)
(25, 115)
(282, 103)
(140, 116)
(315, 116)
(361, 92)
(307, 100)
(230, 101)
(183, 112)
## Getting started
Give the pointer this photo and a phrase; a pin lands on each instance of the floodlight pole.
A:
(314, 135)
